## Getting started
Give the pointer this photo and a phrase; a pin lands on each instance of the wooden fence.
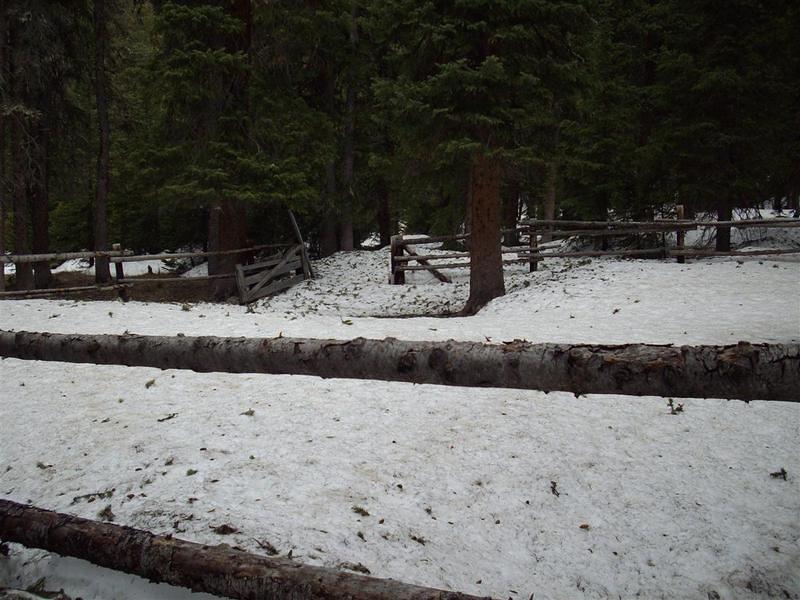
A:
(121, 283)
(404, 251)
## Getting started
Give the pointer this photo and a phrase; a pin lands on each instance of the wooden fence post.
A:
(119, 272)
(533, 243)
(120, 275)
(396, 249)
(681, 234)
(306, 264)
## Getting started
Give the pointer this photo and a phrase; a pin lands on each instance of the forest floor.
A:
(508, 493)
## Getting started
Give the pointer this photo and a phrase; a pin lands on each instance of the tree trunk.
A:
(219, 570)
(486, 260)
(40, 201)
(19, 166)
(3, 119)
(348, 159)
(226, 231)
(329, 236)
(549, 206)
(724, 213)
(100, 222)
(744, 371)
(329, 241)
(510, 213)
(384, 212)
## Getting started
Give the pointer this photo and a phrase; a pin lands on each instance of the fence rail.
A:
(118, 257)
(404, 253)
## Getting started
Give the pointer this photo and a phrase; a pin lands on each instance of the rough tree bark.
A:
(100, 222)
(226, 231)
(486, 259)
(744, 371)
(219, 570)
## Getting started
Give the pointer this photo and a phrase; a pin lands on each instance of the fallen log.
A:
(743, 371)
(219, 570)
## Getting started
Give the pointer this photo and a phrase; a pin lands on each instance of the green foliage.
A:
(639, 103)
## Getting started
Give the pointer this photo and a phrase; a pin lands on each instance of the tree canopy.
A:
(371, 118)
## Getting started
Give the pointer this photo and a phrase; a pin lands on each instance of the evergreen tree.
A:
(722, 87)
(475, 85)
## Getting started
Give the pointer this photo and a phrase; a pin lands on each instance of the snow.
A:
(200, 270)
(73, 265)
(676, 505)
(710, 302)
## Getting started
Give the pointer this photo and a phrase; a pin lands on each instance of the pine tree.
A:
(475, 86)
(722, 86)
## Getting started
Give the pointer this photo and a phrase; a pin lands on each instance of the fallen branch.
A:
(744, 371)
(219, 570)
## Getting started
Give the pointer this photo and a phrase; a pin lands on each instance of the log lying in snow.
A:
(744, 371)
(219, 570)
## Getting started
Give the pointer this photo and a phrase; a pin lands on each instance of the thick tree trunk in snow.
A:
(219, 570)
(485, 209)
(744, 371)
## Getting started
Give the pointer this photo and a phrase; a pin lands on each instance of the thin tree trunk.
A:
(486, 262)
(22, 244)
(329, 240)
(744, 371)
(100, 222)
(724, 213)
(510, 212)
(219, 570)
(3, 119)
(346, 241)
(384, 212)
(40, 201)
(549, 205)
(19, 165)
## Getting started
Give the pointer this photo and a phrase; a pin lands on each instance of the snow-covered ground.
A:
(500, 492)
(132, 269)
(593, 301)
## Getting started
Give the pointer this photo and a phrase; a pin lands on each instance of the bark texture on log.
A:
(219, 570)
(743, 371)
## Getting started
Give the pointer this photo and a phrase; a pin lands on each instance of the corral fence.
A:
(286, 267)
(404, 250)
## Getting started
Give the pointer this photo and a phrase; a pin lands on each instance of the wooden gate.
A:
(278, 272)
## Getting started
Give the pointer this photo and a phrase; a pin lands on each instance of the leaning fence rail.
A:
(404, 251)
